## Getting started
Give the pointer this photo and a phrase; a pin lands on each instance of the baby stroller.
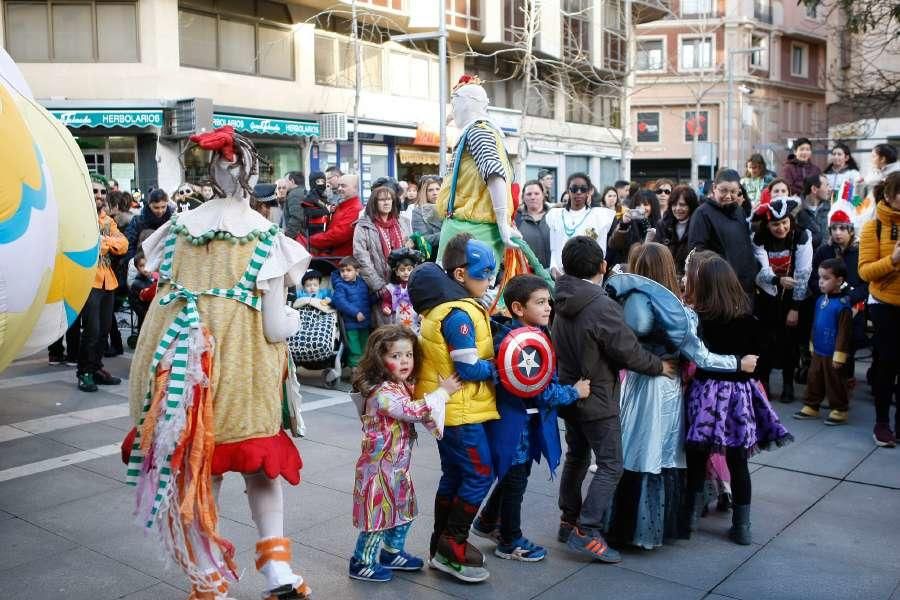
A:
(317, 344)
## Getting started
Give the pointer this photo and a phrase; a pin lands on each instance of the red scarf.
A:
(390, 234)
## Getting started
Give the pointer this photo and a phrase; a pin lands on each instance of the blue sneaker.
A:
(375, 573)
(521, 549)
(400, 561)
(593, 545)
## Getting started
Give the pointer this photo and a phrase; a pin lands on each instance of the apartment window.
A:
(410, 75)
(649, 55)
(90, 31)
(336, 63)
(613, 36)
(576, 30)
(593, 105)
(799, 60)
(762, 10)
(696, 53)
(695, 8)
(514, 20)
(462, 14)
(541, 98)
(251, 38)
(504, 87)
(812, 11)
(696, 125)
(759, 59)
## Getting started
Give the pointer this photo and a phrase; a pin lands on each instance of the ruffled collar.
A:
(223, 215)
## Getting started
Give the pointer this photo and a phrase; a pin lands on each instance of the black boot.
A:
(442, 506)
(740, 525)
(457, 533)
(697, 507)
(787, 386)
(690, 514)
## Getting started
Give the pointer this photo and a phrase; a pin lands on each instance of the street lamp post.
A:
(729, 163)
(441, 37)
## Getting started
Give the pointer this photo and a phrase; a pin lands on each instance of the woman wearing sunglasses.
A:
(577, 218)
(663, 189)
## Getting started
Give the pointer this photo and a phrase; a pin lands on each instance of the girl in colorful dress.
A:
(384, 501)
(727, 413)
(397, 304)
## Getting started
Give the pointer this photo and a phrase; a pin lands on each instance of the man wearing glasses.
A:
(97, 314)
(720, 225)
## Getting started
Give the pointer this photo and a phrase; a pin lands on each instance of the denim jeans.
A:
(505, 502)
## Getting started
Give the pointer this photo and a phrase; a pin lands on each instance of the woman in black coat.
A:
(672, 230)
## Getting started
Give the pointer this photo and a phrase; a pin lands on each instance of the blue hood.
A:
(429, 285)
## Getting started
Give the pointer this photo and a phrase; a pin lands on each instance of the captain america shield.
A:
(526, 361)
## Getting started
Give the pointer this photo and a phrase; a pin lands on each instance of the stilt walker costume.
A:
(476, 198)
(209, 378)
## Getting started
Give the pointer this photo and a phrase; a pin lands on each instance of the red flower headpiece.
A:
(219, 140)
(467, 80)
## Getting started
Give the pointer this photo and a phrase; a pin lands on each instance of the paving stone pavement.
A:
(826, 514)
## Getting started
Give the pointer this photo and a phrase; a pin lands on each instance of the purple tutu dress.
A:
(732, 414)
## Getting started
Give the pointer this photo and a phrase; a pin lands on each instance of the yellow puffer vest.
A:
(475, 402)
(473, 201)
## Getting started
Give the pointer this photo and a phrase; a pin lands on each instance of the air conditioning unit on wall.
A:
(332, 127)
(187, 117)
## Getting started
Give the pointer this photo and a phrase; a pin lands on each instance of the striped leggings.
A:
(369, 542)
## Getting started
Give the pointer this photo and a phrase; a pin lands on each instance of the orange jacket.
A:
(875, 265)
(111, 242)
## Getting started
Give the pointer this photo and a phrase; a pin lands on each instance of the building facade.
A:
(863, 81)
(719, 80)
(133, 78)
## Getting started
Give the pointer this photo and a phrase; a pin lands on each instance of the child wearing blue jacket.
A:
(527, 428)
(353, 300)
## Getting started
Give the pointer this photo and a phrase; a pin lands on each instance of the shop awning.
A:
(414, 156)
(267, 126)
(110, 118)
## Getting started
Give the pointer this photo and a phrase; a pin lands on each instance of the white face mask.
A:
(469, 107)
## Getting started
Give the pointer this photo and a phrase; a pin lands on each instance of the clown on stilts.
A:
(209, 378)
(476, 197)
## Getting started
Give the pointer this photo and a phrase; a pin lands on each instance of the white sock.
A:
(267, 510)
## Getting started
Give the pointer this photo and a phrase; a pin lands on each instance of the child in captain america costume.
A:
(527, 397)
(456, 338)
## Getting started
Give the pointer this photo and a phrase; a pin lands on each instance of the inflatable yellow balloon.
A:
(49, 239)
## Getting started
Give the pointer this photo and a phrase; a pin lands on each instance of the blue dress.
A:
(647, 502)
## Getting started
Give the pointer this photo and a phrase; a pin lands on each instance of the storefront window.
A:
(196, 162)
(282, 158)
(113, 157)
(577, 164)
(374, 164)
